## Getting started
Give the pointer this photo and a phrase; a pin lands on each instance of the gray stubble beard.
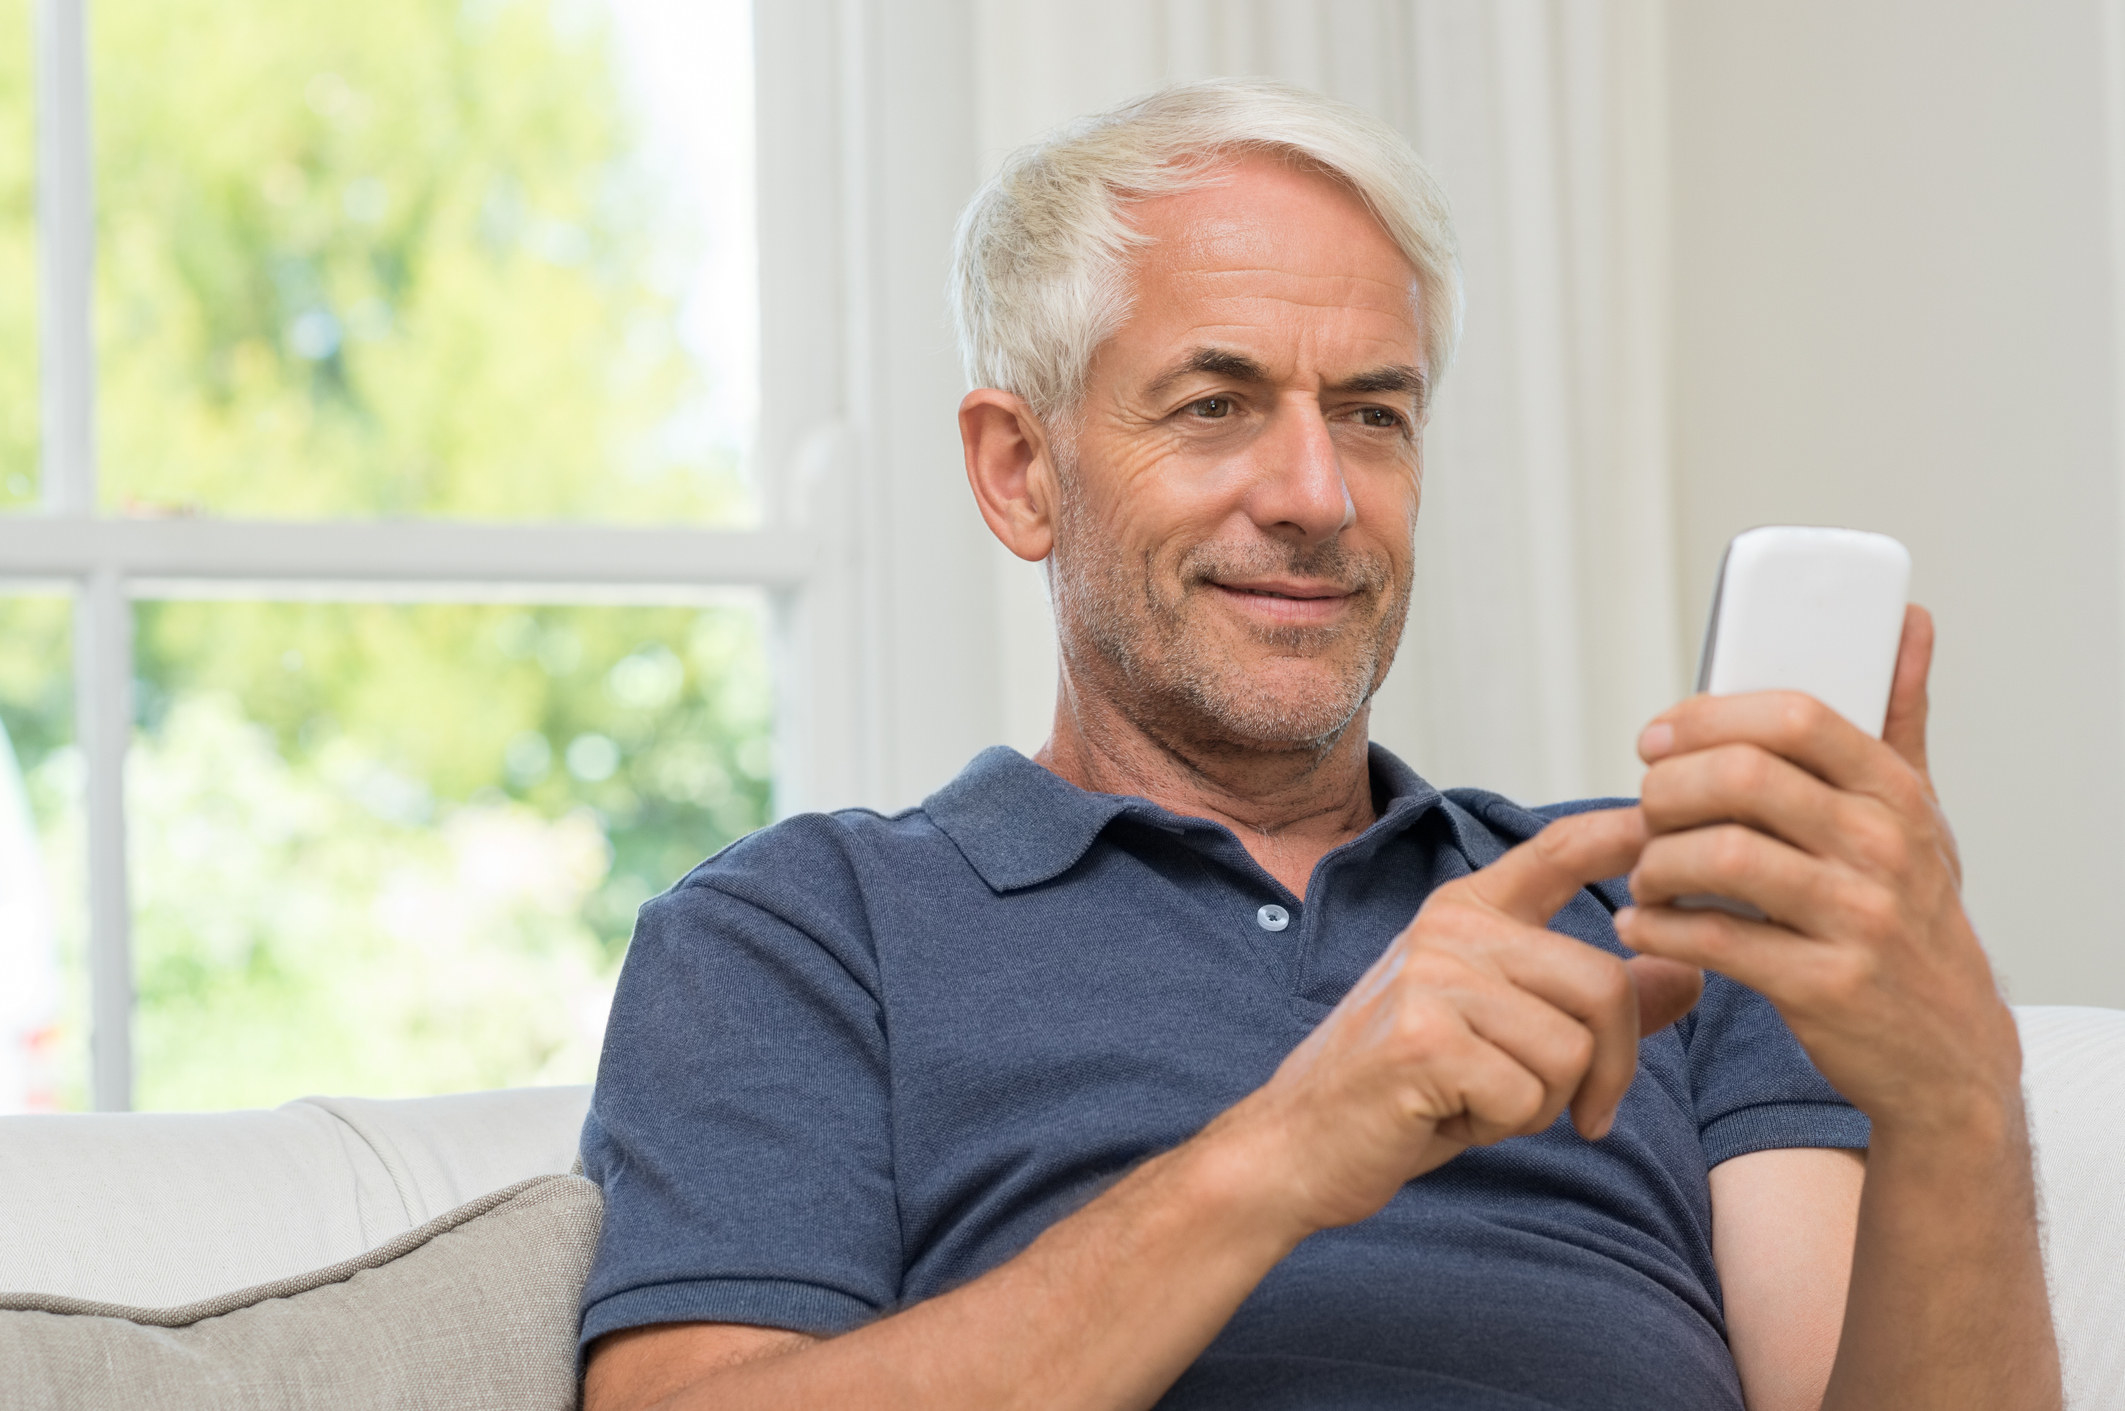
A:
(1113, 624)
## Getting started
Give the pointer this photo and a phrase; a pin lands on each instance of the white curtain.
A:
(1546, 627)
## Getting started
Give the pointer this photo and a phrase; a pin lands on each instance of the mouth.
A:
(1285, 602)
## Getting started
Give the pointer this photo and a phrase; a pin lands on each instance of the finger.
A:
(1550, 1043)
(1532, 881)
(1905, 729)
(1565, 975)
(1667, 990)
(1590, 985)
(1498, 1096)
(1748, 784)
(1737, 783)
(1791, 724)
(1807, 894)
(1767, 958)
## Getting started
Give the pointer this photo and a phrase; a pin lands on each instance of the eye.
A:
(1211, 407)
(1380, 417)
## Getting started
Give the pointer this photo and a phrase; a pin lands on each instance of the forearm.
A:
(1104, 1310)
(1948, 1307)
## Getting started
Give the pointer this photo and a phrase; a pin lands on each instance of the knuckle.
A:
(1422, 1033)
(1797, 718)
(1845, 977)
(1554, 842)
(1442, 921)
(1522, 1105)
(1907, 792)
(1429, 971)
(1728, 852)
(1744, 769)
(1885, 844)
(1875, 913)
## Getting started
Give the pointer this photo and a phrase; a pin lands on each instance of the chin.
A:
(1261, 707)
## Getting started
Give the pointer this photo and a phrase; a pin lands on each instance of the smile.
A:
(1285, 604)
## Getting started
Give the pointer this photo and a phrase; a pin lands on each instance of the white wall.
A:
(1893, 308)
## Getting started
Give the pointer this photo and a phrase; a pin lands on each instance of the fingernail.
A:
(1658, 740)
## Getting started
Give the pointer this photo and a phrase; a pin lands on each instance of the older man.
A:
(1123, 1075)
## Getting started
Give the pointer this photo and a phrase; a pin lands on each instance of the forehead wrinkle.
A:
(1332, 308)
(1338, 288)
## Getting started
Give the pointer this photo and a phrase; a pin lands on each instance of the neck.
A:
(1288, 805)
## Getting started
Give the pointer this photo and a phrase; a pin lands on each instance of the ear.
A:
(1011, 470)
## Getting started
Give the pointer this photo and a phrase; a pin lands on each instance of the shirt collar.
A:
(1019, 825)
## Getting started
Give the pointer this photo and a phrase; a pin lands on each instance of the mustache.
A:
(1331, 563)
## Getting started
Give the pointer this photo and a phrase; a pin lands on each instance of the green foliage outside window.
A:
(358, 261)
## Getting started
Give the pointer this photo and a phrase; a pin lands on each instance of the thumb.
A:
(1667, 990)
(1905, 729)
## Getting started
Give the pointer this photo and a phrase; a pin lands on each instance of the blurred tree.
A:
(397, 258)
(391, 259)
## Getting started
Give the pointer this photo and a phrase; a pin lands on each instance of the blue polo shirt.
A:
(856, 1061)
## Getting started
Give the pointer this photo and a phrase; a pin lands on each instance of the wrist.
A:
(1233, 1170)
(1972, 1124)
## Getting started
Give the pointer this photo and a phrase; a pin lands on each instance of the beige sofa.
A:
(153, 1210)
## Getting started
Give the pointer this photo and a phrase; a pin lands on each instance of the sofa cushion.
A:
(2074, 1071)
(476, 1308)
(168, 1207)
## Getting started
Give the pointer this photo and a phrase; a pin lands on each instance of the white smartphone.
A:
(1814, 610)
(1805, 609)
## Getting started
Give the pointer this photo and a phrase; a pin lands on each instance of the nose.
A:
(1299, 490)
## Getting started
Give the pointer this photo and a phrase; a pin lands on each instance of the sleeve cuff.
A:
(767, 1303)
(1770, 1126)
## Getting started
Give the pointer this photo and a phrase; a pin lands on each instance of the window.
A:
(43, 971)
(390, 847)
(378, 387)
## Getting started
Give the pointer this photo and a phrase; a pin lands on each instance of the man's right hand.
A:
(1475, 1025)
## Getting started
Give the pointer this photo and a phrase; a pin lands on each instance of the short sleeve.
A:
(1753, 1085)
(740, 1126)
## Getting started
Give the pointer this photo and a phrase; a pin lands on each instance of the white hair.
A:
(1040, 260)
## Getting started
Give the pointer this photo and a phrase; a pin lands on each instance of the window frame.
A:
(108, 561)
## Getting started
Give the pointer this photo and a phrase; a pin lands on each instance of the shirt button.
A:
(1272, 918)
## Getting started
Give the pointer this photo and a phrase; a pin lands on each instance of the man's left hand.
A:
(1776, 800)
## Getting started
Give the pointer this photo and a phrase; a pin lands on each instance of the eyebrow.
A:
(1214, 362)
(1224, 362)
(1409, 381)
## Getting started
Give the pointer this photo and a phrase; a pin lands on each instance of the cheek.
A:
(1152, 500)
(1386, 498)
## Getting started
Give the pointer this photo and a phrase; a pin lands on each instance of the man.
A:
(1124, 1076)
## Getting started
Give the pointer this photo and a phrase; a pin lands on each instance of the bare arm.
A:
(1105, 1309)
(1475, 1025)
(1775, 800)
(1783, 1223)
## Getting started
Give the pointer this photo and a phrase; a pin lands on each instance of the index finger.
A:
(1532, 881)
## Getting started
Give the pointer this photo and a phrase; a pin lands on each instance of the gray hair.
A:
(1039, 261)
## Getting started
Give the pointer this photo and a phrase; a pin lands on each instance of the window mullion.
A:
(66, 239)
(103, 684)
(103, 642)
